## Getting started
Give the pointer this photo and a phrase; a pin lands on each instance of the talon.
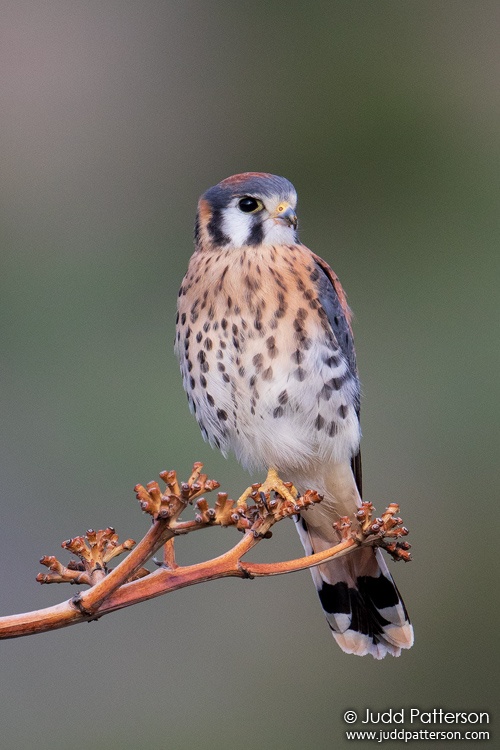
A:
(264, 500)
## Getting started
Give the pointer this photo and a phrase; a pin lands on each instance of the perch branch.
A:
(254, 514)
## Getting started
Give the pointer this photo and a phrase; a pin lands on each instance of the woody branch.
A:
(255, 513)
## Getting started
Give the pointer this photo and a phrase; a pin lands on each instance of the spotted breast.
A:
(265, 373)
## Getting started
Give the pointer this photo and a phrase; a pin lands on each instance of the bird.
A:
(267, 358)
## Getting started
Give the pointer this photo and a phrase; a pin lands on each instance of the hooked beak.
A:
(286, 214)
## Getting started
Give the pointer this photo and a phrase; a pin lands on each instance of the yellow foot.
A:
(273, 483)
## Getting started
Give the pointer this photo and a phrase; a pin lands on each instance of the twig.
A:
(255, 513)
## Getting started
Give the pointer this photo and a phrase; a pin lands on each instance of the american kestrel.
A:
(267, 358)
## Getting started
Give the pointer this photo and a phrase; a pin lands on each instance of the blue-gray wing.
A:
(333, 301)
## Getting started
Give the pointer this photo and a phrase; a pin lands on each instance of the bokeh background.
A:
(115, 116)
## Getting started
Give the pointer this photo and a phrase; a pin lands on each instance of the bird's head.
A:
(253, 208)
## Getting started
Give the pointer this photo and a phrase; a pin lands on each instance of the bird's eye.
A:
(250, 205)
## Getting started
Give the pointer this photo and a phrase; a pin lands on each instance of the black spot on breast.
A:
(332, 361)
(206, 326)
(258, 361)
(252, 283)
(223, 324)
(279, 282)
(335, 384)
(192, 383)
(183, 318)
(303, 341)
(326, 392)
(314, 275)
(194, 312)
(222, 414)
(343, 411)
(278, 412)
(297, 356)
(331, 429)
(210, 399)
(225, 377)
(208, 344)
(268, 373)
(271, 347)
(282, 306)
(283, 397)
(299, 374)
(199, 336)
(203, 381)
(220, 283)
(319, 422)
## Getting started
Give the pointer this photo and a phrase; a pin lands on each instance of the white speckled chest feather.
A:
(263, 370)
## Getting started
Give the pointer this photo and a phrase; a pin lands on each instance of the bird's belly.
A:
(282, 398)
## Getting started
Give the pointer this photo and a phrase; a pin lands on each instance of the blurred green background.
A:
(115, 116)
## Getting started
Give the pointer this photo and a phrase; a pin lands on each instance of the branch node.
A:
(76, 601)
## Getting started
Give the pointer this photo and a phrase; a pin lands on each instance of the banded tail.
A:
(362, 604)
